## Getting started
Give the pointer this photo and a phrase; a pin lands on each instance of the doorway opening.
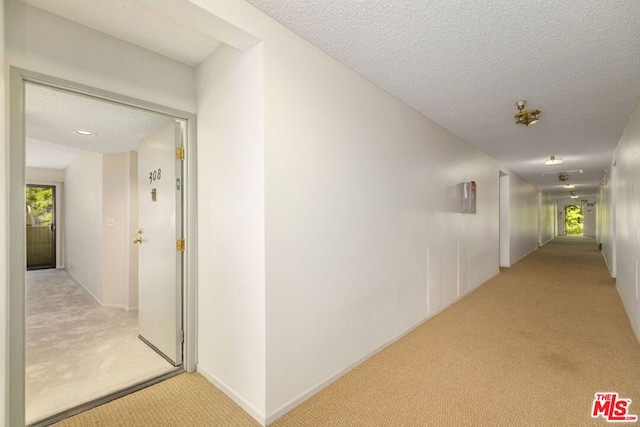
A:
(97, 192)
(41, 226)
(573, 220)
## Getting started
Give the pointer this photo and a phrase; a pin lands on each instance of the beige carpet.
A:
(187, 400)
(529, 348)
(77, 351)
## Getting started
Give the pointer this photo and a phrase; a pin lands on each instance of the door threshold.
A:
(105, 399)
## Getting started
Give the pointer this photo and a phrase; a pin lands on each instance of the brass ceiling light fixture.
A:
(526, 117)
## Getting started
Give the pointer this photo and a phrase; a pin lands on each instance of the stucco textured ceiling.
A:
(137, 23)
(466, 64)
(462, 64)
(52, 115)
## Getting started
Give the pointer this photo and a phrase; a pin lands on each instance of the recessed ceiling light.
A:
(84, 133)
(553, 161)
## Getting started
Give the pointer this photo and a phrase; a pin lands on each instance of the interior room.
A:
(82, 303)
(356, 174)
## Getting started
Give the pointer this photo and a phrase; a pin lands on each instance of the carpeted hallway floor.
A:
(529, 348)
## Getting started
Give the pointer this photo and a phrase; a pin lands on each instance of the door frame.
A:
(54, 224)
(16, 236)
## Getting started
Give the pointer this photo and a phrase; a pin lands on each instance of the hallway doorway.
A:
(573, 223)
(96, 222)
(41, 226)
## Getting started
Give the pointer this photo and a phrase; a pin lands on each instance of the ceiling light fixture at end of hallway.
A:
(553, 161)
(84, 133)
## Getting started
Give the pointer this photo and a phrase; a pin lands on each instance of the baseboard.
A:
(604, 255)
(315, 389)
(117, 306)
(246, 406)
(634, 328)
(79, 282)
(544, 243)
(523, 256)
(96, 299)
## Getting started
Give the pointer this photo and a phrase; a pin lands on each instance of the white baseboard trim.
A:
(604, 255)
(634, 328)
(79, 282)
(95, 298)
(315, 389)
(246, 406)
(116, 306)
(545, 242)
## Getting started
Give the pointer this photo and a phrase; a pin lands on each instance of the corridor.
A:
(530, 347)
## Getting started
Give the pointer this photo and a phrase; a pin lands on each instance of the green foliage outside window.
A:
(40, 205)
(573, 219)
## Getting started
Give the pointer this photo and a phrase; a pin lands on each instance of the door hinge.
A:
(182, 336)
(180, 245)
(180, 153)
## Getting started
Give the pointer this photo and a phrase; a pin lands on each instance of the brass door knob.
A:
(137, 240)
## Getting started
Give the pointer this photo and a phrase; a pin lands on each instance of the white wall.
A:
(231, 271)
(42, 42)
(627, 218)
(83, 221)
(505, 238)
(606, 216)
(117, 186)
(53, 177)
(364, 235)
(547, 217)
(523, 218)
(44, 175)
(363, 241)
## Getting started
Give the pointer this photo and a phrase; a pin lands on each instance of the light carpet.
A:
(529, 348)
(77, 351)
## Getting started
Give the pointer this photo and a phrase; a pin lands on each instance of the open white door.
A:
(159, 235)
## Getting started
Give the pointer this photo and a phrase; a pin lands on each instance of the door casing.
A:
(16, 244)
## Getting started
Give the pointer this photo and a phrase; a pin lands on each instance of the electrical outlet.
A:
(111, 222)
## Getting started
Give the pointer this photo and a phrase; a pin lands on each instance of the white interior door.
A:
(160, 227)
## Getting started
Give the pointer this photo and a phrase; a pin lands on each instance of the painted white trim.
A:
(246, 406)
(604, 256)
(95, 298)
(15, 404)
(634, 328)
(524, 256)
(79, 283)
(315, 389)
(544, 243)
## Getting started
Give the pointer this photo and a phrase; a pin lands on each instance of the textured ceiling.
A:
(137, 23)
(52, 116)
(462, 64)
(465, 65)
